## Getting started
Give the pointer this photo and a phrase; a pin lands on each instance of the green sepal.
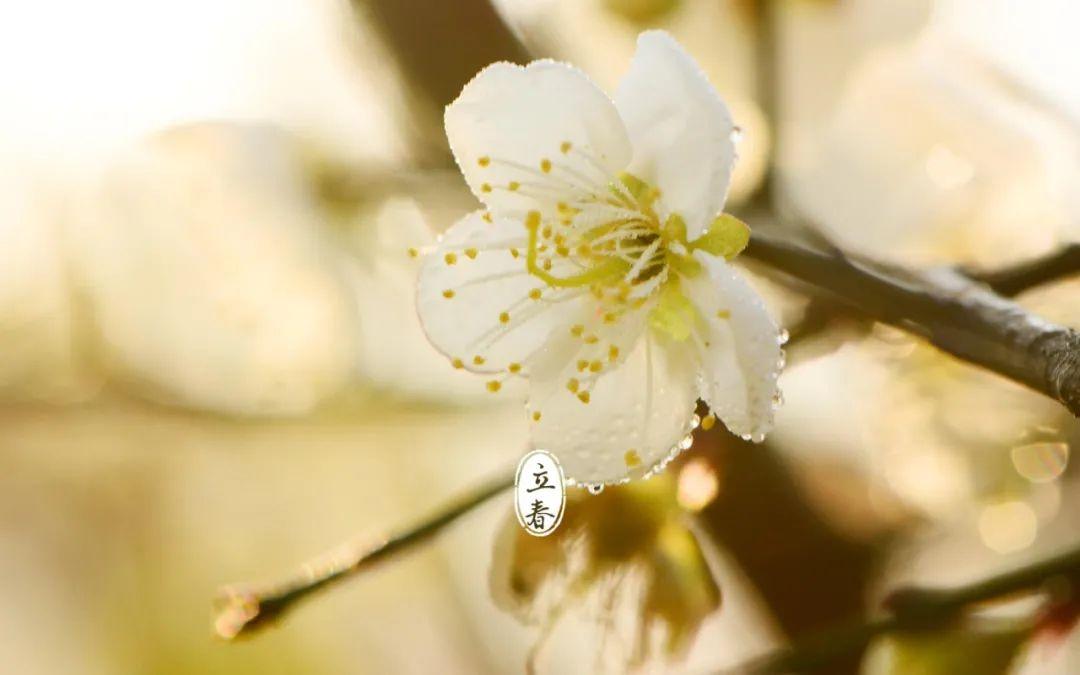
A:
(727, 236)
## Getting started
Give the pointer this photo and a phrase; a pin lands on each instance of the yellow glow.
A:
(1007, 527)
(698, 485)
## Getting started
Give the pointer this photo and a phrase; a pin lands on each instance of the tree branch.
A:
(913, 609)
(243, 608)
(949, 310)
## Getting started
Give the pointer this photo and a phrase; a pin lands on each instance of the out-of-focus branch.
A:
(243, 608)
(1060, 264)
(948, 309)
(912, 609)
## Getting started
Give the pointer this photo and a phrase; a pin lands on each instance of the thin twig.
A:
(913, 609)
(1060, 264)
(243, 608)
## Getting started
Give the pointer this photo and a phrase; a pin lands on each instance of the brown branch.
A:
(912, 609)
(243, 608)
(949, 310)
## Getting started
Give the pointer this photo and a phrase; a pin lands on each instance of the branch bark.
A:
(949, 310)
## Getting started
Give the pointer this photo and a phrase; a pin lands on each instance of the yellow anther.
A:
(583, 397)
(577, 329)
(563, 207)
(494, 386)
(709, 422)
(562, 251)
(535, 294)
(532, 220)
(560, 239)
(610, 317)
(484, 161)
(536, 416)
(547, 265)
(413, 252)
(612, 353)
(504, 317)
(513, 186)
(573, 385)
(582, 365)
(545, 165)
(596, 366)
(485, 187)
(591, 339)
(631, 458)
(564, 147)
(583, 250)
(450, 258)
(457, 363)
(487, 216)
(448, 293)
(471, 252)
(723, 314)
(514, 368)
(478, 360)
(514, 252)
(546, 232)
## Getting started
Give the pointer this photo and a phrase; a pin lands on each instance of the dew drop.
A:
(686, 442)
(595, 488)
(778, 398)
(695, 421)
(757, 438)
(783, 336)
(736, 134)
(745, 437)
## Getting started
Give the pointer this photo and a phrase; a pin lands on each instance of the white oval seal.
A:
(539, 493)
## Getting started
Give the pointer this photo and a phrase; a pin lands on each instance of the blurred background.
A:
(211, 368)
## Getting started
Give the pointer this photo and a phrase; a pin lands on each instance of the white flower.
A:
(599, 270)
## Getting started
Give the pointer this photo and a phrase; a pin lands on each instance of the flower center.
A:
(623, 261)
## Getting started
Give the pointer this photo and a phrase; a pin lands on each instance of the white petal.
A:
(509, 119)
(739, 349)
(474, 265)
(681, 131)
(636, 414)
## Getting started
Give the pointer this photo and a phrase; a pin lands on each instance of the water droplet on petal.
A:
(736, 134)
(757, 438)
(595, 488)
(695, 422)
(783, 336)
(686, 442)
(745, 437)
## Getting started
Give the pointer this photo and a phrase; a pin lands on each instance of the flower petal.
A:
(477, 302)
(739, 348)
(634, 415)
(529, 137)
(680, 129)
